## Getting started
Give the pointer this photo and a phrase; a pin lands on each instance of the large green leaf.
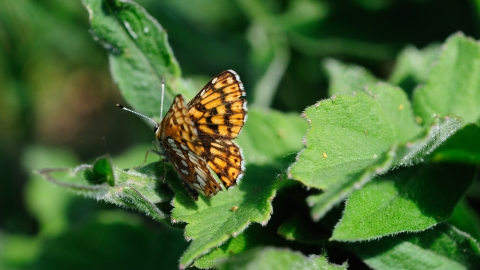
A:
(453, 86)
(351, 139)
(408, 154)
(139, 53)
(213, 221)
(406, 200)
(350, 132)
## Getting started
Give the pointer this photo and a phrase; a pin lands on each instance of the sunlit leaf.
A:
(139, 53)
(406, 200)
(351, 139)
(453, 86)
(346, 79)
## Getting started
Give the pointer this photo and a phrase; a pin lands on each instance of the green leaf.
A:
(336, 193)
(442, 247)
(254, 236)
(406, 200)
(351, 139)
(135, 189)
(213, 221)
(465, 218)
(408, 154)
(419, 150)
(102, 172)
(276, 258)
(453, 86)
(346, 79)
(463, 146)
(270, 135)
(139, 53)
(413, 66)
(267, 138)
(352, 131)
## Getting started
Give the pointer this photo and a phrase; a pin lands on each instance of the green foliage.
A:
(413, 187)
(272, 258)
(139, 53)
(400, 161)
(441, 247)
(452, 87)
(403, 201)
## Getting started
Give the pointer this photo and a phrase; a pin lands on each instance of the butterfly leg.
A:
(155, 151)
(164, 170)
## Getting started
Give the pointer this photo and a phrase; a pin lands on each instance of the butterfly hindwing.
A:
(225, 158)
(191, 168)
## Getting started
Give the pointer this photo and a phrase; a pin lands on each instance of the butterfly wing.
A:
(225, 158)
(218, 109)
(219, 113)
(179, 140)
(191, 168)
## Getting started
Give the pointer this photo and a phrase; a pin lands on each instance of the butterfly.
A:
(197, 137)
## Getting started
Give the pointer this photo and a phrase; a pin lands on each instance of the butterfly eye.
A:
(155, 130)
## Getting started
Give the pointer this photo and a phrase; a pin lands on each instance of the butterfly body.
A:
(197, 138)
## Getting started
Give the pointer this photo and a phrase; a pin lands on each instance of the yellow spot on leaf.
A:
(418, 119)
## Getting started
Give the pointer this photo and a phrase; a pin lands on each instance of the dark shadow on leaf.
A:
(435, 188)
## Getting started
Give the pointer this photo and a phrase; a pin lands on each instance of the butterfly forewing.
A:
(218, 110)
(197, 137)
(178, 125)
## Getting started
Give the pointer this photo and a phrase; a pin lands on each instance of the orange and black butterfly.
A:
(197, 138)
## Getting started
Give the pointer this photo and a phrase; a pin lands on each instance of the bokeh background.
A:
(57, 100)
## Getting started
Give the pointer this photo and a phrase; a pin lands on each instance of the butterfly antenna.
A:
(161, 103)
(137, 113)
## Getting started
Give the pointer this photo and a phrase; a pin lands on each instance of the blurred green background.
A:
(57, 100)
